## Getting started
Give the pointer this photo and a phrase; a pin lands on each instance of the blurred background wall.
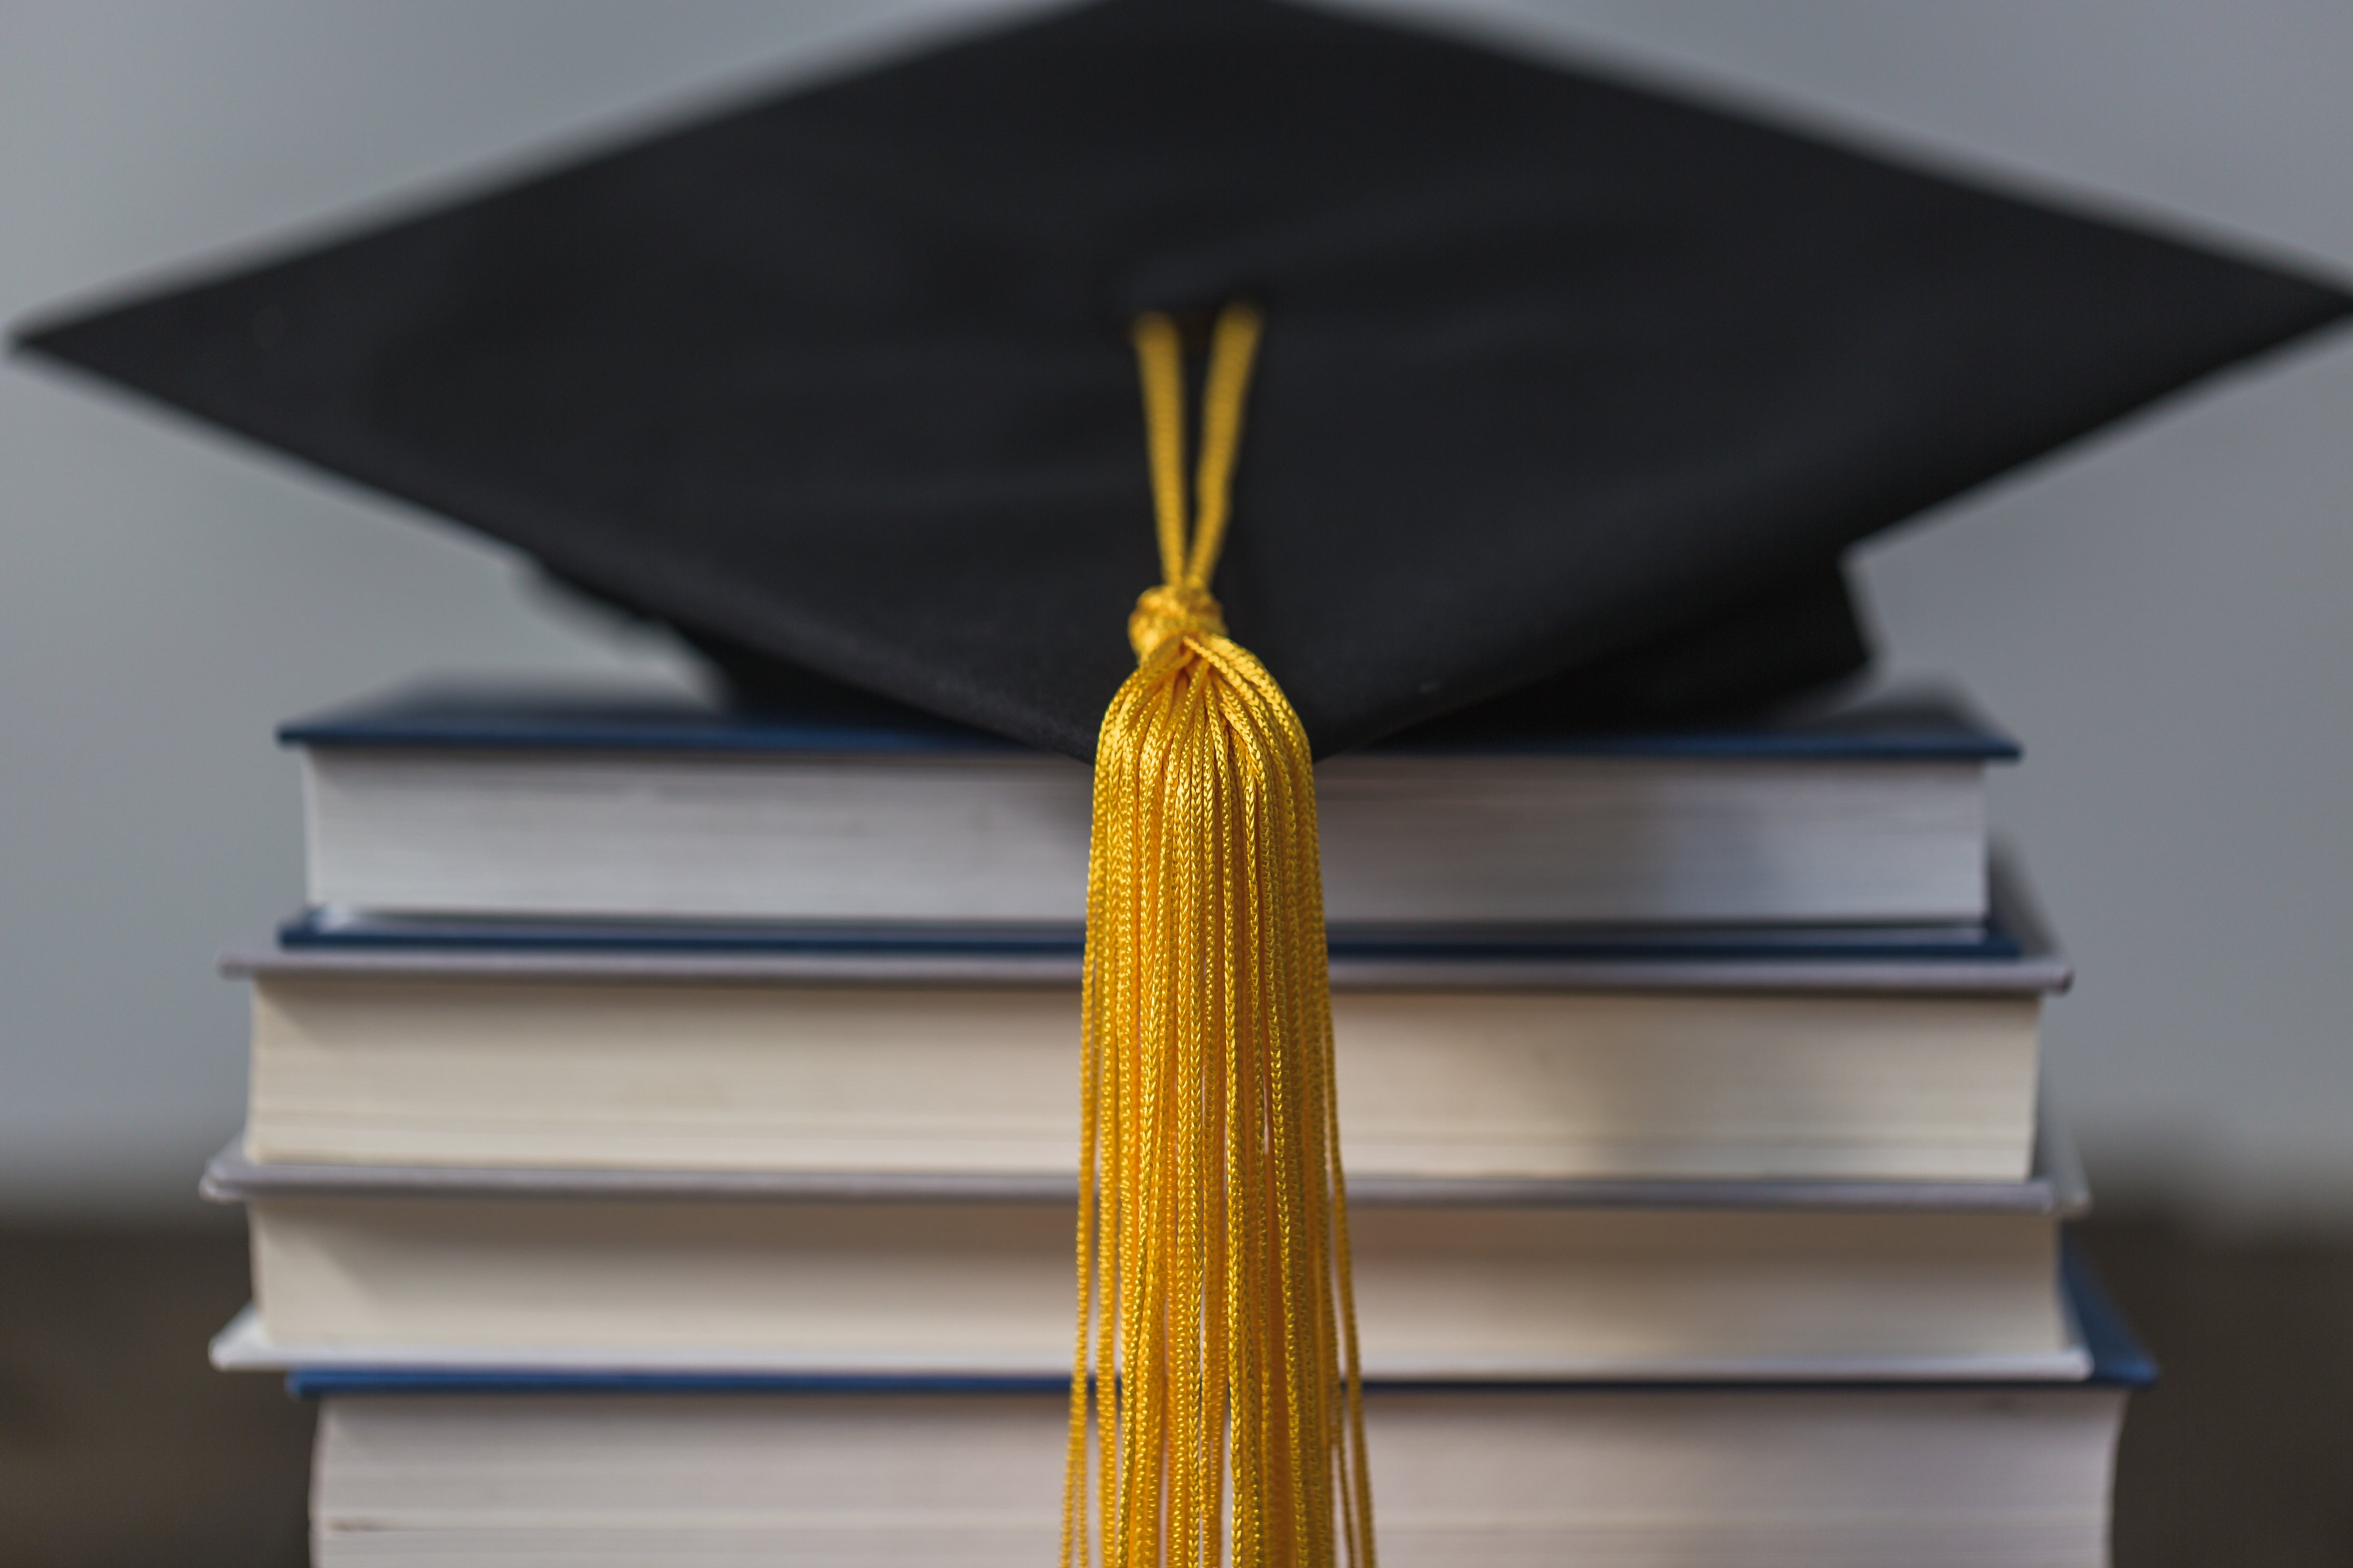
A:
(2164, 614)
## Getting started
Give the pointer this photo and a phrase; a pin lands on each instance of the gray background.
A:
(2161, 614)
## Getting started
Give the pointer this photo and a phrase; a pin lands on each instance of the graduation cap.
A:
(1566, 390)
(1569, 388)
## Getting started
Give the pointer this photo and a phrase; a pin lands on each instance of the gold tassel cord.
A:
(1216, 1324)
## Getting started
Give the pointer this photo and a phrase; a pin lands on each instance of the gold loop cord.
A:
(1160, 361)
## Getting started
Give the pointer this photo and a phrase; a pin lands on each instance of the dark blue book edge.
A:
(1924, 728)
(326, 930)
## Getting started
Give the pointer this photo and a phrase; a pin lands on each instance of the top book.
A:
(487, 803)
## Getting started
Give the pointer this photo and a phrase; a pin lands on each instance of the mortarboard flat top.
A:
(1567, 383)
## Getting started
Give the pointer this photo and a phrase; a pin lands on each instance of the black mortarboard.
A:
(1566, 385)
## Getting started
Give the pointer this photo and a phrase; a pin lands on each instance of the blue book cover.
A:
(1919, 728)
(325, 930)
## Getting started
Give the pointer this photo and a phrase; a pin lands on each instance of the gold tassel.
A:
(1217, 1327)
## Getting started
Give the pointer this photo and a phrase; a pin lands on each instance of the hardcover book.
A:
(970, 1275)
(533, 805)
(933, 1054)
(430, 1466)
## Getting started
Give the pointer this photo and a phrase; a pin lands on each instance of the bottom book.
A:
(1927, 1478)
(599, 1470)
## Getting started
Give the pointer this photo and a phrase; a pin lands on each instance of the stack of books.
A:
(663, 1127)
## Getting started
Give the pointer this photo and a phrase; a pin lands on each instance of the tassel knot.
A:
(1172, 610)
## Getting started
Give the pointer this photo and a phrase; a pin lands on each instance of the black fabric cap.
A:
(1568, 386)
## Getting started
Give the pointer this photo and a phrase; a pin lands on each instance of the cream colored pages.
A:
(1929, 1480)
(1523, 1084)
(958, 836)
(1441, 1292)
